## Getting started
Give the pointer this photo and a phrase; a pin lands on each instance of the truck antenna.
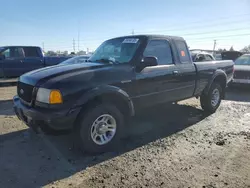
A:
(74, 46)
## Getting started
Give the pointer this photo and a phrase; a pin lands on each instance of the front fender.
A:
(102, 90)
(217, 73)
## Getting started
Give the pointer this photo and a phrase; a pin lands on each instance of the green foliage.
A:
(246, 49)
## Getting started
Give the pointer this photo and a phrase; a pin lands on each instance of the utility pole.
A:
(74, 46)
(214, 47)
(43, 47)
(133, 32)
(78, 38)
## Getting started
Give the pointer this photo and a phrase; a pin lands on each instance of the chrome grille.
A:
(242, 75)
(24, 91)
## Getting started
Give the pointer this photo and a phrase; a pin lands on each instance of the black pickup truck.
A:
(124, 75)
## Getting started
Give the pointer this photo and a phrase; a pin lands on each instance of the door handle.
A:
(175, 72)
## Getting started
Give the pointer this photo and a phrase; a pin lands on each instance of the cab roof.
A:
(19, 46)
(153, 36)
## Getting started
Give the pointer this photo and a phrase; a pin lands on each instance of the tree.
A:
(231, 49)
(81, 53)
(66, 53)
(246, 49)
(221, 50)
(50, 53)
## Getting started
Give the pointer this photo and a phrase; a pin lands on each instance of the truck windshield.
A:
(118, 50)
(1, 49)
(75, 60)
(243, 60)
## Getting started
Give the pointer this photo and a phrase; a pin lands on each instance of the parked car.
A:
(17, 60)
(76, 60)
(242, 70)
(218, 56)
(231, 55)
(201, 56)
(124, 75)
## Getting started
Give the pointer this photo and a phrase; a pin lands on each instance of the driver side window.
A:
(6, 53)
(200, 58)
(161, 50)
(13, 52)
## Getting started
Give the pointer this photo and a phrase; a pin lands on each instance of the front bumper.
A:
(241, 81)
(55, 119)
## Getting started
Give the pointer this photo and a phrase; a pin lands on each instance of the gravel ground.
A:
(165, 146)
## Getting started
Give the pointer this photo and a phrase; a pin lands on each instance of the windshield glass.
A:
(243, 60)
(193, 55)
(119, 50)
(1, 49)
(75, 60)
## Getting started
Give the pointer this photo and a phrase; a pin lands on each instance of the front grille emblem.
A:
(22, 91)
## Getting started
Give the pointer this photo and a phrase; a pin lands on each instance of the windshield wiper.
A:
(107, 61)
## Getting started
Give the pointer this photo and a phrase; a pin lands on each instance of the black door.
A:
(159, 83)
(187, 72)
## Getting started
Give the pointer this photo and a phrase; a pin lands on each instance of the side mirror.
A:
(2, 57)
(149, 61)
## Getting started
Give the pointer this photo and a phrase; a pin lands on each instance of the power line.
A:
(209, 40)
(186, 34)
(177, 29)
(181, 28)
(189, 24)
(214, 37)
(218, 31)
(200, 39)
(219, 18)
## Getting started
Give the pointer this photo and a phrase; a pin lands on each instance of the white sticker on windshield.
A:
(130, 40)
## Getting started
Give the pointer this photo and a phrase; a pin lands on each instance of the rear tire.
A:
(211, 101)
(95, 132)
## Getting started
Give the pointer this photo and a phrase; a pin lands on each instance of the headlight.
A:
(49, 96)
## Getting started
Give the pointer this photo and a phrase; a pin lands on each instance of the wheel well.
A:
(115, 99)
(223, 82)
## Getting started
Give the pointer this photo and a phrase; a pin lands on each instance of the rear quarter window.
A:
(31, 52)
(183, 52)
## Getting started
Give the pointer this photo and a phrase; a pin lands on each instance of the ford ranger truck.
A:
(124, 75)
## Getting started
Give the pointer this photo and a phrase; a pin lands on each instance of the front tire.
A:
(99, 130)
(211, 101)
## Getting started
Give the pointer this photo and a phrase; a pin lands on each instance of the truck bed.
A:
(205, 71)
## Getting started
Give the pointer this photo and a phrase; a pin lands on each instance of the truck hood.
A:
(242, 67)
(40, 76)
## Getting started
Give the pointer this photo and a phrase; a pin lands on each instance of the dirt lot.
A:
(166, 146)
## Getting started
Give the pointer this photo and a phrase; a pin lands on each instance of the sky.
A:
(54, 24)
